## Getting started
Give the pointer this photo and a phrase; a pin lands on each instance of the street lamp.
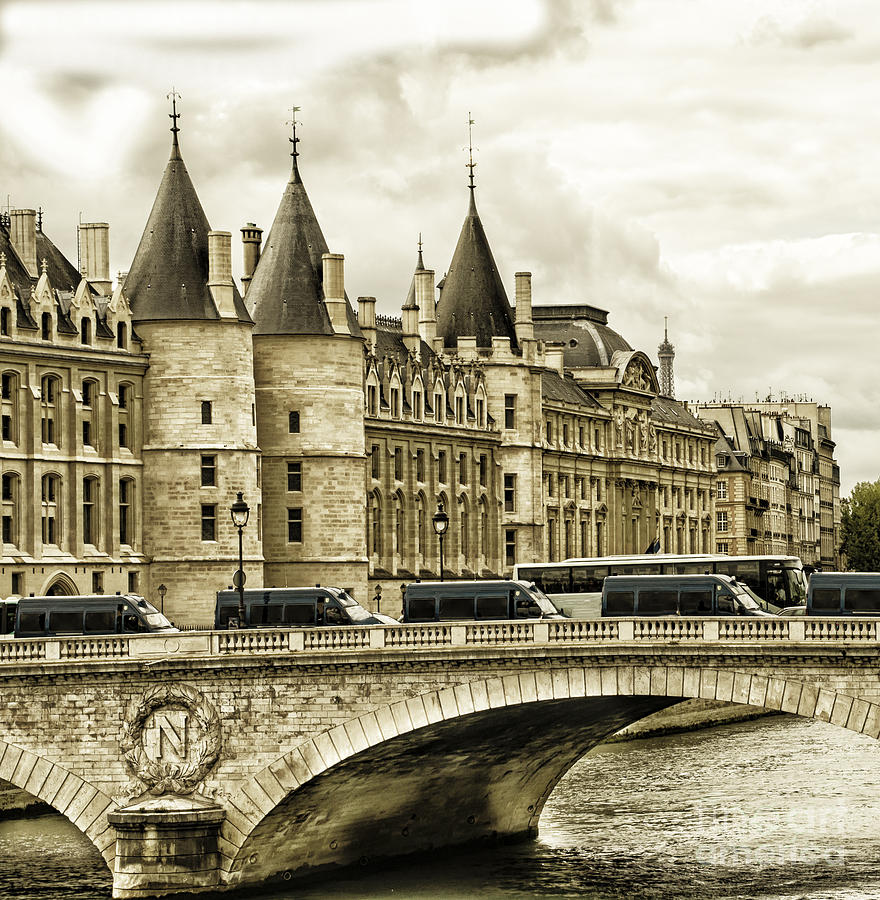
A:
(240, 512)
(440, 522)
(162, 591)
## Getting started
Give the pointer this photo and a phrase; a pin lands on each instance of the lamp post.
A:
(240, 512)
(162, 591)
(440, 522)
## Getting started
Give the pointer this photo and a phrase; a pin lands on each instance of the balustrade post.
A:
(710, 630)
(541, 633)
(53, 649)
(377, 637)
(459, 635)
(797, 631)
(297, 640)
(626, 630)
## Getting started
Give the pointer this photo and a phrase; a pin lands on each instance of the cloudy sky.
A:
(713, 161)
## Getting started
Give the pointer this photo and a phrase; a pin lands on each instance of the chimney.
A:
(23, 232)
(426, 305)
(94, 248)
(251, 240)
(367, 319)
(411, 338)
(334, 291)
(554, 356)
(525, 329)
(220, 273)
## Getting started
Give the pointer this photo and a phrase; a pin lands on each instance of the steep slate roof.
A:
(390, 343)
(555, 387)
(472, 301)
(62, 273)
(286, 292)
(666, 409)
(169, 276)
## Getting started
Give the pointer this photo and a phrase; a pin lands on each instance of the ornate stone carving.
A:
(171, 738)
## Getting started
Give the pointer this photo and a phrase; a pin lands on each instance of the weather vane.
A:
(294, 140)
(470, 164)
(174, 115)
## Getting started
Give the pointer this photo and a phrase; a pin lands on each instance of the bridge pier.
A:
(166, 845)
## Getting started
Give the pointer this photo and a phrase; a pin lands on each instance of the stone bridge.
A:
(217, 760)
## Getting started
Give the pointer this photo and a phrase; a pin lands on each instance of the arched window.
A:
(9, 402)
(481, 407)
(372, 394)
(398, 525)
(126, 514)
(484, 531)
(125, 393)
(51, 509)
(47, 326)
(50, 396)
(85, 330)
(374, 526)
(395, 398)
(89, 401)
(89, 510)
(459, 405)
(417, 400)
(10, 499)
(439, 403)
(420, 526)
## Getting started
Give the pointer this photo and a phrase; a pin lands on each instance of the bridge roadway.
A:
(216, 760)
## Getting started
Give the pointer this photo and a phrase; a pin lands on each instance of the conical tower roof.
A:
(420, 267)
(169, 276)
(472, 301)
(286, 293)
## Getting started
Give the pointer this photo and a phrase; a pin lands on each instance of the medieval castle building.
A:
(132, 416)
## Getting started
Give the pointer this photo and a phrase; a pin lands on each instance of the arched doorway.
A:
(61, 586)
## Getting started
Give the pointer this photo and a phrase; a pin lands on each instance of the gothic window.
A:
(398, 525)
(395, 402)
(398, 464)
(9, 403)
(5, 319)
(484, 469)
(441, 466)
(375, 526)
(374, 461)
(464, 525)
(484, 531)
(85, 330)
(50, 394)
(89, 500)
(124, 395)
(462, 468)
(10, 496)
(438, 406)
(126, 502)
(372, 400)
(46, 326)
(420, 526)
(51, 509)
(459, 409)
(420, 465)
(417, 405)
(121, 335)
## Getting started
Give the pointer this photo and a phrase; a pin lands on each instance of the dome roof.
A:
(584, 331)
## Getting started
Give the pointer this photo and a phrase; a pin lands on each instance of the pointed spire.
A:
(174, 115)
(420, 266)
(294, 140)
(286, 293)
(168, 278)
(410, 302)
(470, 164)
(473, 302)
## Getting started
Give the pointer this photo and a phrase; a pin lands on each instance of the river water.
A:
(774, 808)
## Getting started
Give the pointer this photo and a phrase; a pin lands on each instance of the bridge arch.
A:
(575, 708)
(78, 801)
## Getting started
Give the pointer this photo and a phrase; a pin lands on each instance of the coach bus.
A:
(575, 585)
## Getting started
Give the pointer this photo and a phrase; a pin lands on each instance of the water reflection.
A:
(773, 809)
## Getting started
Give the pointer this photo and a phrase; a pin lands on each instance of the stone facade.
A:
(778, 487)
(546, 437)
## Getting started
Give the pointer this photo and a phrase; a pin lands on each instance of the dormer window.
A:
(85, 331)
(47, 326)
(121, 336)
(5, 320)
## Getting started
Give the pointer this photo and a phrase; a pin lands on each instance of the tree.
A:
(860, 527)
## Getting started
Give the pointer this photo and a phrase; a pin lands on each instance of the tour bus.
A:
(575, 585)
(844, 594)
(678, 595)
(446, 601)
(93, 614)
(7, 615)
(287, 606)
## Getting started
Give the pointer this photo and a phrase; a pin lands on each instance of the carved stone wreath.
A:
(164, 777)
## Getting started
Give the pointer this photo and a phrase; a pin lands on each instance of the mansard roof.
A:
(286, 293)
(472, 301)
(589, 341)
(169, 276)
(665, 409)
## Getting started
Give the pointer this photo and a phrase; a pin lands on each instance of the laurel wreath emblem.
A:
(163, 777)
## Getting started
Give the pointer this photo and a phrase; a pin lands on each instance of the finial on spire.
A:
(40, 219)
(45, 266)
(470, 164)
(2, 259)
(421, 262)
(294, 140)
(174, 115)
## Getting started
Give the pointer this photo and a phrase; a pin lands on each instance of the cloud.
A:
(802, 33)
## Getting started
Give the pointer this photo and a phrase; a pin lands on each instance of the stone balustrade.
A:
(432, 635)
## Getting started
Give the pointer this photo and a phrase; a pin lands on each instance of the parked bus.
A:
(844, 594)
(575, 585)
(679, 595)
(288, 607)
(448, 601)
(93, 614)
